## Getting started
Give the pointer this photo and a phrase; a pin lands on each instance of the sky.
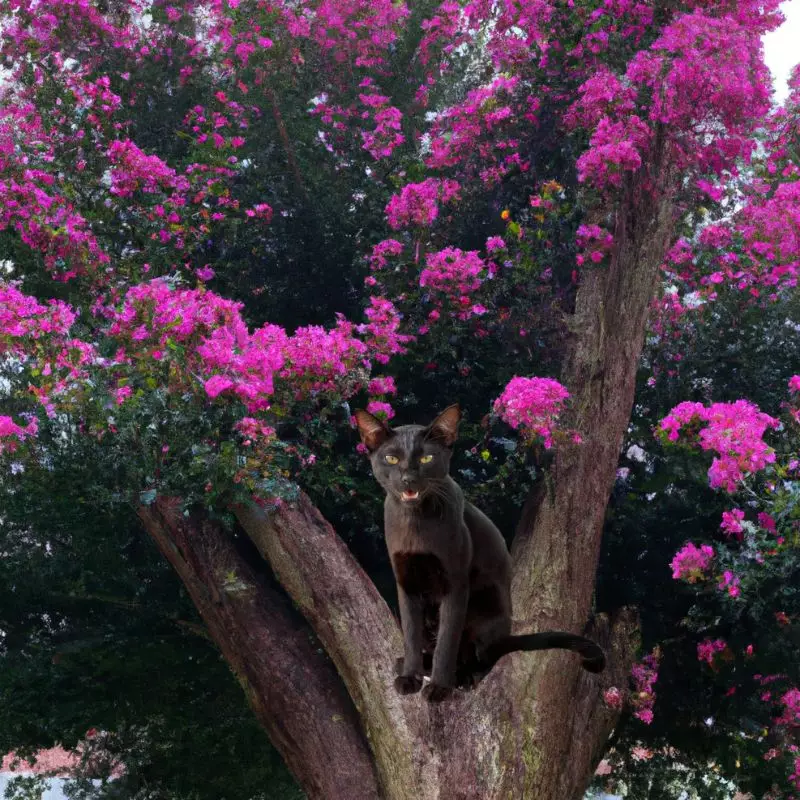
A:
(782, 48)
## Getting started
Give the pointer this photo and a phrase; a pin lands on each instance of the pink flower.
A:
(532, 405)
(690, 562)
(380, 409)
(382, 385)
(766, 522)
(595, 241)
(644, 675)
(613, 697)
(388, 247)
(730, 582)
(731, 522)
(791, 709)
(217, 384)
(250, 428)
(132, 170)
(417, 204)
(707, 649)
(122, 394)
(453, 272)
(260, 211)
(733, 431)
(9, 429)
(52, 761)
(495, 243)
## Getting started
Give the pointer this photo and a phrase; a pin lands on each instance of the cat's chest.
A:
(416, 533)
(421, 574)
(428, 555)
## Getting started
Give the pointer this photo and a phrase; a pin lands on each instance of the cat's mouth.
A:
(408, 496)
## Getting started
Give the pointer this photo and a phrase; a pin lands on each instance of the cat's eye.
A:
(391, 459)
(426, 459)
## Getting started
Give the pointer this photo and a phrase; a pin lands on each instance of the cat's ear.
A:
(373, 432)
(444, 429)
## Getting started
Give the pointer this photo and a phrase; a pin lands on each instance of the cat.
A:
(450, 562)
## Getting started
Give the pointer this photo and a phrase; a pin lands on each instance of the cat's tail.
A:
(592, 655)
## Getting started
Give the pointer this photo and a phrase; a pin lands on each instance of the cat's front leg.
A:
(452, 613)
(411, 619)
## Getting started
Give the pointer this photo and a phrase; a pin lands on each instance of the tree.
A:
(533, 163)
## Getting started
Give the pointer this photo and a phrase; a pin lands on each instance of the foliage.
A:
(103, 651)
(727, 629)
(192, 193)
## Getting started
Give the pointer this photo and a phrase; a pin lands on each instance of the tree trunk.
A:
(480, 745)
(557, 545)
(536, 726)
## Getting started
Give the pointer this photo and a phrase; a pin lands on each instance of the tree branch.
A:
(556, 555)
(593, 721)
(291, 686)
(556, 552)
(353, 623)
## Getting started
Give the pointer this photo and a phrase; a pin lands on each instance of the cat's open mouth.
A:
(409, 496)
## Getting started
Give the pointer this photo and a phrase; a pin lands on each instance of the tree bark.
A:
(292, 688)
(537, 725)
(557, 545)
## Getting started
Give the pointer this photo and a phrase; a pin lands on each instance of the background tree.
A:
(498, 187)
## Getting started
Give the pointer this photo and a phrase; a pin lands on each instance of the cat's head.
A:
(410, 461)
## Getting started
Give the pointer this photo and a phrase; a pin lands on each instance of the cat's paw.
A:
(466, 679)
(434, 693)
(407, 684)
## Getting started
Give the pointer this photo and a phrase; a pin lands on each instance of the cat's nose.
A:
(407, 479)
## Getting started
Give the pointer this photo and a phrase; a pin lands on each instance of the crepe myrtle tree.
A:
(505, 176)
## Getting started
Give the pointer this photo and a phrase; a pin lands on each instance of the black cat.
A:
(451, 564)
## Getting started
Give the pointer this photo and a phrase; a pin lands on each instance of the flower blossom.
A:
(645, 674)
(707, 649)
(733, 431)
(691, 562)
(532, 405)
(731, 522)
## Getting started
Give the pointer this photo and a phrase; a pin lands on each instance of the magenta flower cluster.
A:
(214, 344)
(733, 431)
(731, 522)
(532, 406)
(11, 433)
(708, 649)
(417, 204)
(644, 675)
(594, 243)
(453, 271)
(791, 709)
(729, 583)
(691, 562)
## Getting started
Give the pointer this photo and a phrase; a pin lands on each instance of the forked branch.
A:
(291, 685)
